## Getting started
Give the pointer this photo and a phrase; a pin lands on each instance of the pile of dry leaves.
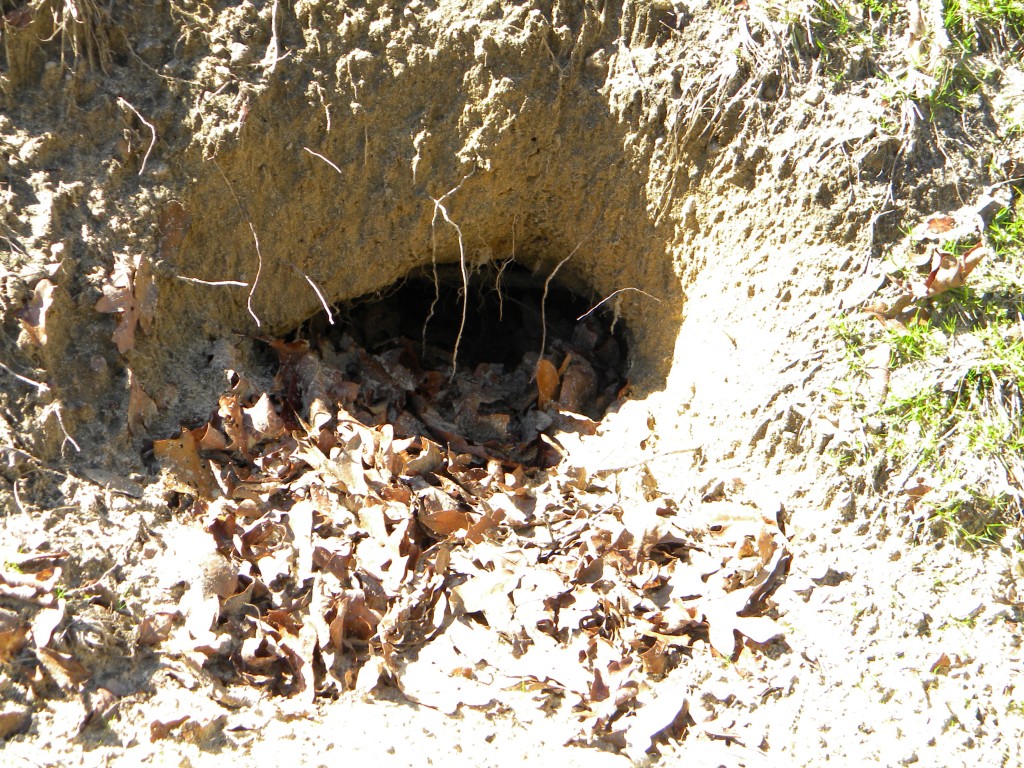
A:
(388, 523)
(376, 520)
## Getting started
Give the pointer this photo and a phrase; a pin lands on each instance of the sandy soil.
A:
(753, 582)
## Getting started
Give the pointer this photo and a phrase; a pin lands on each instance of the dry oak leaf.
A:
(952, 271)
(933, 227)
(181, 455)
(947, 271)
(132, 295)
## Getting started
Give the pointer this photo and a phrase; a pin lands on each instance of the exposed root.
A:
(320, 295)
(611, 296)
(544, 300)
(317, 154)
(439, 207)
(256, 241)
(214, 283)
(25, 380)
(125, 103)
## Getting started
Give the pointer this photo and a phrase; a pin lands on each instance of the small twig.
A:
(255, 239)
(317, 154)
(612, 295)
(37, 384)
(320, 295)
(124, 103)
(214, 283)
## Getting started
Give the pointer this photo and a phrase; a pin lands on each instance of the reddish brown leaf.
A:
(353, 619)
(119, 298)
(938, 223)
(142, 409)
(161, 729)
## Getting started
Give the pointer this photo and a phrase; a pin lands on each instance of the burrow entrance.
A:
(491, 363)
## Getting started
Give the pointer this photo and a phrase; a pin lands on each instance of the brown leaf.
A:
(444, 522)
(210, 438)
(119, 298)
(142, 409)
(155, 628)
(579, 383)
(182, 457)
(161, 729)
(66, 671)
(13, 635)
(949, 271)
(234, 423)
(353, 619)
(427, 461)
(14, 721)
(939, 223)
(264, 418)
(547, 383)
(655, 659)
(33, 315)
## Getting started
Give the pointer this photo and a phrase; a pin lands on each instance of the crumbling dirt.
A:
(251, 510)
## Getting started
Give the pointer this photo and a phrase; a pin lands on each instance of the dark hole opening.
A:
(395, 352)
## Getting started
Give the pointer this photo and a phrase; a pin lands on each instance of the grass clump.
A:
(951, 420)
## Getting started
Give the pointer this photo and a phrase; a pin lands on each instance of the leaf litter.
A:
(380, 521)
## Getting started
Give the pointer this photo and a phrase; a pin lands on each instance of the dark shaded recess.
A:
(414, 327)
(503, 325)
